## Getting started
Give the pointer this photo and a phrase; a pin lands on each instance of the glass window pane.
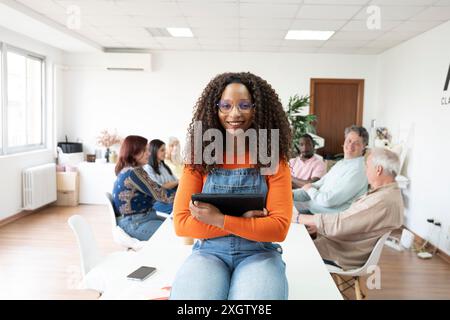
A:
(17, 85)
(24, 100)
(34, 101)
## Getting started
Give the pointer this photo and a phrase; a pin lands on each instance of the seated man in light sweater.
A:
(346, 180)
(346, 239)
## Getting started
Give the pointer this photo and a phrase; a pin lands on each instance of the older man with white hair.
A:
(346, 239)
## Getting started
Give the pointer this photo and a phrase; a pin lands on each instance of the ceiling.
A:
(248, 25)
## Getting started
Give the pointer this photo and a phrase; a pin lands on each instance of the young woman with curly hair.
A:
(234, 257)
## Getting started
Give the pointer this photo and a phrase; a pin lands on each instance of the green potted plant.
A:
(300, 122)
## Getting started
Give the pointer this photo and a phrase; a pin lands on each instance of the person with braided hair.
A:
(234, 256)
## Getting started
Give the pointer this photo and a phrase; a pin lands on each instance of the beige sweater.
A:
(348, 237)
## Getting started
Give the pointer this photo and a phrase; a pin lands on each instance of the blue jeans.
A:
(141, 225)
(232, 267)
(301, 201)
(165, 207)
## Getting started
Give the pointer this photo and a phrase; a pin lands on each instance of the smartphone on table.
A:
(142, 273)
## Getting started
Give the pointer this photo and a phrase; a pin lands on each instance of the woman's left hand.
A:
(207, 213)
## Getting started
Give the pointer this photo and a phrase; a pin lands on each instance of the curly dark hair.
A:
(269, 114)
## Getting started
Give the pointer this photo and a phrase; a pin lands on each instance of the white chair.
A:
(355, 274)
(119, 235)
(95, 267)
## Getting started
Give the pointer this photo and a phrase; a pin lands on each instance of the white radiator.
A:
(39, 186)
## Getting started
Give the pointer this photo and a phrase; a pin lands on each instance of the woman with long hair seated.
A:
(157, 169)
(135, 194)
(160, 173)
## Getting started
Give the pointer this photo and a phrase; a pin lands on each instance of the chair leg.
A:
(362, 287)
(359, 293)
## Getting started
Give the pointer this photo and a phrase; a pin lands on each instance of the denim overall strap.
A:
(244, 180)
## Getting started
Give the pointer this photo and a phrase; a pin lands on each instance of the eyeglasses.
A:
(243, 106)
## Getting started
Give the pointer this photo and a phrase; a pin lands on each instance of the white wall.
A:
(11, 166)
(411, 82)
(159, 104)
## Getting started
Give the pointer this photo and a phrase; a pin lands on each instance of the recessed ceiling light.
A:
(180, 32)
(308, 35)
(158, 32)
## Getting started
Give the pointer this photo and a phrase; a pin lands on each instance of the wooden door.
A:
(337, 103)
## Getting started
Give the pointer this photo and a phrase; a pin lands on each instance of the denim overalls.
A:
(232, 267)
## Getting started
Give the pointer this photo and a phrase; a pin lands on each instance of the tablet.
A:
(232, 204)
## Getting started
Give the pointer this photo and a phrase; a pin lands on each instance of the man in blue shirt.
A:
(346, 180)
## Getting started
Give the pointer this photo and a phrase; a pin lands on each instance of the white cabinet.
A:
(95, 180)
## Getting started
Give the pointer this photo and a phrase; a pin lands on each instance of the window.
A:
(22, 79)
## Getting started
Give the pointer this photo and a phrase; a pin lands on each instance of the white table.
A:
(307, 275)
(95, 180)
(164, 251)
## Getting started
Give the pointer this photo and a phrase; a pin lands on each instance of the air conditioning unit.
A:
(120, 61)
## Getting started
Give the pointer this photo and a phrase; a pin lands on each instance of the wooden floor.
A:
(39, 260)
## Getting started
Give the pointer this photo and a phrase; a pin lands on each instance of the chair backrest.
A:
(120, 236)
(89, 253)
(111, 200)
(111, 209)
(376, 252)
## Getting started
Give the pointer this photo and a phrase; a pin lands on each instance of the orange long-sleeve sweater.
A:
(272, 228)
